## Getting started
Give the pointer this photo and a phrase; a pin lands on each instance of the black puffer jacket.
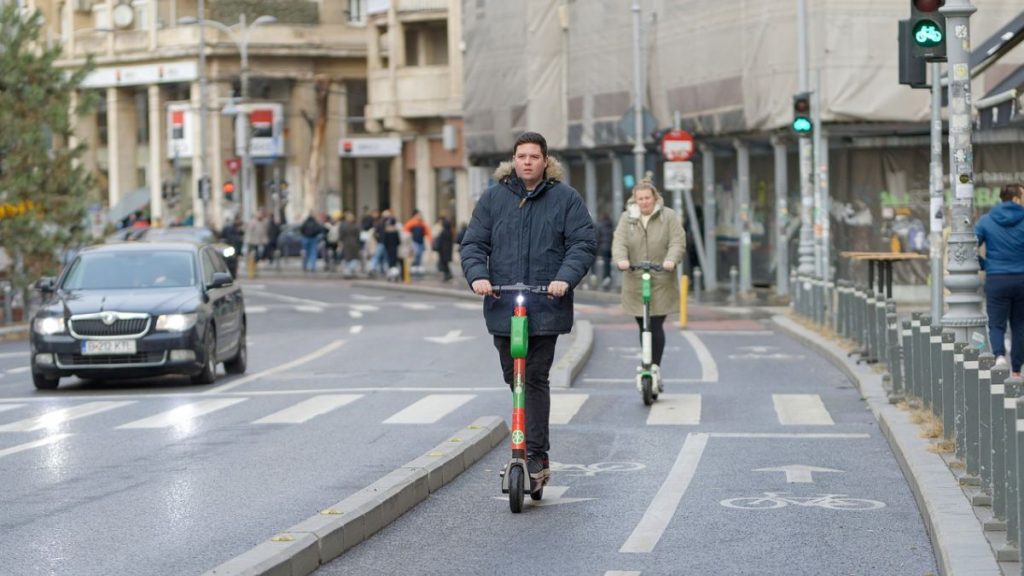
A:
(533, 238)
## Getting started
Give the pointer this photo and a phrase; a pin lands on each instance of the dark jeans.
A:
(1004, 300)
(657, 326)
(540, 355)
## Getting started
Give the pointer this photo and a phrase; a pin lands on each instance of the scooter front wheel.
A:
(516, 487)
(647, 389)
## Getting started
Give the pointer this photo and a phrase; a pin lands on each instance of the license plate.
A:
(108, 347)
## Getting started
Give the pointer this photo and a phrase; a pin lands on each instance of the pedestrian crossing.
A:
(420, 408)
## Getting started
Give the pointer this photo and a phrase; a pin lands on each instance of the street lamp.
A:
(239, 33)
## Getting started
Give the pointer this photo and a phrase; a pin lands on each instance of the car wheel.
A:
(238, 364)
(44, 383)
(209, 372)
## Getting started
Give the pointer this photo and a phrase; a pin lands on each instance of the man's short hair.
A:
(1011, 192)
(531, 138)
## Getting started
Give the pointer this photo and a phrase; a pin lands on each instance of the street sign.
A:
(678, 176)
(233, 164)
(677, 145)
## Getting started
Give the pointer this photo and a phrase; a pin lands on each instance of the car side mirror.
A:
(45, 284)
(221, 279)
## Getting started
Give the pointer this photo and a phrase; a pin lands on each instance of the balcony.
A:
(418, 92)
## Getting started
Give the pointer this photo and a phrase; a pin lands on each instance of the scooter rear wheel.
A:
(647, 387)
(516, 486)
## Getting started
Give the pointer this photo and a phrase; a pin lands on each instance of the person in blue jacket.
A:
(532, 228)
(1001, 231)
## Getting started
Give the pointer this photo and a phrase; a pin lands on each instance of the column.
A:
(121, 131)
(781, 217)
(590, 183)
(743, 213)
(710, 218)
(424, 197)
(198, 206)
(618, 204)
(157, 152)
(299, 153)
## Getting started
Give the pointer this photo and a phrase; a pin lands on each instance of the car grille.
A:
(139, 359)
(121, 327)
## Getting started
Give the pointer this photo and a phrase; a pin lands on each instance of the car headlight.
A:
(175, 322)
(229, 251)
(48, 326)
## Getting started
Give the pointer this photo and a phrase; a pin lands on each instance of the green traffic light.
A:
(927, 34)
(802, 124)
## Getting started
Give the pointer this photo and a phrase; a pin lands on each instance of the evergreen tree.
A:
(43, 187)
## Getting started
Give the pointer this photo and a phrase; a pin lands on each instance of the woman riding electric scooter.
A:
(650, 232)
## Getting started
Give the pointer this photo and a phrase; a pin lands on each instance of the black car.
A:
(139, 309)
(200, 235)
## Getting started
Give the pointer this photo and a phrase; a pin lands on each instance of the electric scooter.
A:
(645, 376)
(514, 478)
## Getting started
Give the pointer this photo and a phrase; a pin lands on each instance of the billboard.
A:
(180, 123)
(266, 122)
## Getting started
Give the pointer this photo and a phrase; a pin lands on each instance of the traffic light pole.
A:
(805, 269)
(200, 213)
(638, 102)
(964, 316)
(935, 208)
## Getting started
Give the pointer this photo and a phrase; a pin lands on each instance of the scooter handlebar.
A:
(519, 288)
(646, 266)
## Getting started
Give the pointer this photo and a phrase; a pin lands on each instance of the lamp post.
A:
(239, 33)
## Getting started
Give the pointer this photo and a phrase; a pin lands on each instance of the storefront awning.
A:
(137, 199)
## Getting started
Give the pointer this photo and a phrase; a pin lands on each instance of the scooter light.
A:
(519, 300)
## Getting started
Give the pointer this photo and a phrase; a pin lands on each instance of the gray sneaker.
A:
(539, 469)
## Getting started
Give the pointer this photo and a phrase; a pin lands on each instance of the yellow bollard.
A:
(406, 278)
(684, 288)
(250, 264)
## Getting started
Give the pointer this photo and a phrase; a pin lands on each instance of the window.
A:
(426, 44)
(141, 8)
(208, 267)
(356, 11)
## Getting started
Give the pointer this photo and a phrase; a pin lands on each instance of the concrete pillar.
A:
(157, 152)
(463, 201)
(198, 206)
(424, 196)
(120, 144)
(221, 146)
(303, 98)
(781, 217)
(710, 218)
(337, 111)
(590, 183)
(618, 202)
(743, 212)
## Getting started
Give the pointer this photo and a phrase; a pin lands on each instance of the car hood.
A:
(152, 301)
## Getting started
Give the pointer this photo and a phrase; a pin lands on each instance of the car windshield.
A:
(126, 270)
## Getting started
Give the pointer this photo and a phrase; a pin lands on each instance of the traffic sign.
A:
(677, 145)
(678, 176)
(233, 164)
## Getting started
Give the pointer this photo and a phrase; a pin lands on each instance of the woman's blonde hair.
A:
(647, 183)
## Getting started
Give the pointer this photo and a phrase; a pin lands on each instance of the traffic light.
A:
(229, 190)
(912, 66)
(928, 29)
(802, 113)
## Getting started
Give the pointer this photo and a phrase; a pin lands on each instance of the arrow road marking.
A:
(451, 337)
(797, 473)
(552, 497)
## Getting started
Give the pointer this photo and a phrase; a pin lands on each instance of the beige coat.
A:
(661, 240)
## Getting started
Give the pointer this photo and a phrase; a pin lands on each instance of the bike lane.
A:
(638, 497)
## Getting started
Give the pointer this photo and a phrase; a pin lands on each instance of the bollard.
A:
(894, 363)
(881, 328)
(985, 363)
(948, 407)
(8, 306)
(1018, 456)
(698, 282)
(684, 287)
(908, 358)
(856, 331)
(923, 360)
(841, 309)
(870, 332)
(733, 284)
(915, 356)
(998, 479)
(1012, 389)
(935, 353)
(971, 416)
(958, 399)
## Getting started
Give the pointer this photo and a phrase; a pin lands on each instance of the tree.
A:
(43, 187)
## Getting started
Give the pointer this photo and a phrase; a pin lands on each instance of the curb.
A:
(306, 546)
(15, 332)
(956, 533)
(571, 363)
(433, 290)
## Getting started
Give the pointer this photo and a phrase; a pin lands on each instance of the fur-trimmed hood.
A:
(554, 170)
(633, 209)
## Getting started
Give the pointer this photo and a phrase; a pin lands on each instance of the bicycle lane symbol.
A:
(773, 500)
(590, 470)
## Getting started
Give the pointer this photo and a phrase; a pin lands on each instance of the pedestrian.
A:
(532, 228)
(231, 234)
(418, 230)
(1001, 232)
(390, 242)
(311, 231)
(605, 232)
(255, 237)
(349, 234)
(379, 260)
(273, 232)
(648, 231)
(332, 240)
(443, 247)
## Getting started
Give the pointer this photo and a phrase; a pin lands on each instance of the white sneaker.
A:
(1000, 360)
(656, 372)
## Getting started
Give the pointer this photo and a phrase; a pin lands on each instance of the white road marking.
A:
(708, 368)
(417, 306)
(622, 573)
(658, 515)
(19, 370)
(35, 444)
(355, 313)
(295, 300)
(256, 309)
(309, 309)
(794, 435)
(254, 286)
(675, 410)
(181, 414)
(429, 409)
(367, 298)
(565, 406)
(633, 380)
(733, 332)
(309, 408)
(801, 410)
(797, 473)
(474, 306)
(13, 354)
(363, 307)
(60, 416)
(452, 337)
(6, 407)
(355, 329)
(287, 366)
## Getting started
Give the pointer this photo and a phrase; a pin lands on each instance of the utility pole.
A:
(781, 217)
(200, 217)
(248, 200)
(964, 315)
(638, 99)
(935, 206)
(806, 253)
